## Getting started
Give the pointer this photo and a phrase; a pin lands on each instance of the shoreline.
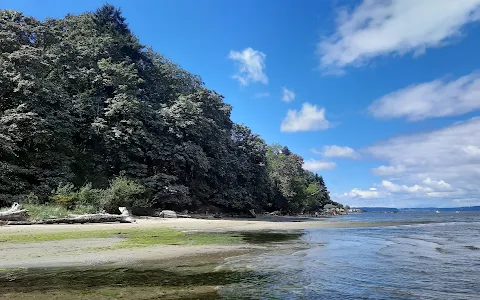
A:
(208, 225)
(97, 249)
(44, 269)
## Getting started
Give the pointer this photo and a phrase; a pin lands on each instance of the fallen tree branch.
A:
(15, 213)
(81, 219)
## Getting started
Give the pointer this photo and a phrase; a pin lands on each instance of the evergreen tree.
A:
(82, 101)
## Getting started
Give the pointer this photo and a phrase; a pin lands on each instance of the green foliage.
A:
(83, 101)
(125, 192)
(64, 195)
(31, 198)
(89, 197)
(69, 197)
(47, 211)
(121, 192)
(295, 190)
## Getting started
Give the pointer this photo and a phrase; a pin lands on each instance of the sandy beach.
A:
(149, 259)
(99, 251)
(217, 225)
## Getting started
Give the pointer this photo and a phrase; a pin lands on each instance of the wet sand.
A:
(100, 251)
(100, 269)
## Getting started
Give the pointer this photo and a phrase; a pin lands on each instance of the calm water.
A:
(429, 261)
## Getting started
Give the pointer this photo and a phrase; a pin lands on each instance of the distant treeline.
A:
(389, 209)
(377, 209)
(82, 102)
(465, 208)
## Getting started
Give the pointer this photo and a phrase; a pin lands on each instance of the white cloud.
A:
(287, 95)
(438, 185)
(437, 98)
(443, 163)
(436, 168)
(339, 151)
(388, 170)
(251, 66)
(390, 186)
(379, 28)
(309, 118)
(395, 188)
(261, 95)
(389, 193)
(318, 165)
(364, 194)
(473, 151)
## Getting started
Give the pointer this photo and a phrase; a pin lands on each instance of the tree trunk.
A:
(15, 213)
(80, 219)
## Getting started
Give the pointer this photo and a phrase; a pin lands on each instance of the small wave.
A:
(423, 257)
(472, 247)
(443, 251)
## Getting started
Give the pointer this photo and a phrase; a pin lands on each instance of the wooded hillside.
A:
(82, 102)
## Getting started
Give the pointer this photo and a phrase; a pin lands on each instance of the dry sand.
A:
(217, 225)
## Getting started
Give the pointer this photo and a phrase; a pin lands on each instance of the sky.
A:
(381, 98)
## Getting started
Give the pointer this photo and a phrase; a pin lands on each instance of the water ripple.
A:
(430, 261)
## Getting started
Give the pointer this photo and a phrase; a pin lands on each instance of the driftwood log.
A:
(124, 217)
(167, 214)
(15, 213)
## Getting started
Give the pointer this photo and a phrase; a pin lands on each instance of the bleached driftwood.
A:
(15, 213)
(81, 219)
(183, 216)
(167, 214)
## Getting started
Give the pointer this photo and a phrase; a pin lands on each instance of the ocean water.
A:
(438, 260)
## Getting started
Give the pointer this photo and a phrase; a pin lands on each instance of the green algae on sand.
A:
(144, 237)
(194, 277)
(132, 237)
(117, 283)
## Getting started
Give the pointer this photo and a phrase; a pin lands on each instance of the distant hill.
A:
(378, 209)
(389, 209)
(466, 208)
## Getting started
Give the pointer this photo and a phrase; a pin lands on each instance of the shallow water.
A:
(430, 261)
(184, 278)
(439, 260)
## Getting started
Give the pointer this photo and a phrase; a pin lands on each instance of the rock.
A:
(167, 214)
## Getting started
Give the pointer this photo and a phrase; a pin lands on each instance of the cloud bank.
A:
(395, 27)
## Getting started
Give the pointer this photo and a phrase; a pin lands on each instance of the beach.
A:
(166, 258)
(220, 258)
(92, 250)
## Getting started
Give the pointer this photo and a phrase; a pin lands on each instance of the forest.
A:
(90, 117)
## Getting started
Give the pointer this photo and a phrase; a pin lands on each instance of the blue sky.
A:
(380, 97)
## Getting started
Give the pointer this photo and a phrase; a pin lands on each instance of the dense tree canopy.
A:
(82, 101)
